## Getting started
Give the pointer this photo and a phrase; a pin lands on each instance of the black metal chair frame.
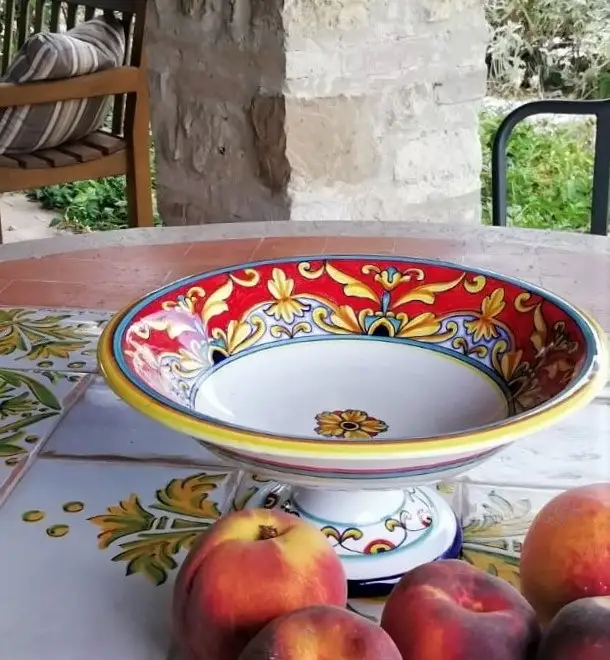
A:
(600, 212)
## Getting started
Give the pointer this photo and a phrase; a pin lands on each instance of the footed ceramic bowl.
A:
(348, 373)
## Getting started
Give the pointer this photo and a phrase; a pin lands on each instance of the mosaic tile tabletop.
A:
(99, 504)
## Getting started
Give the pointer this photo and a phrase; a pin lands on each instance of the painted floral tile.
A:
(101, 425)
(495, 523)
(31, 405)
(574, 451)
(93, 549)
(57, 339)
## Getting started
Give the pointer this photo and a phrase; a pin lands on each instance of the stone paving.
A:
(23, 220)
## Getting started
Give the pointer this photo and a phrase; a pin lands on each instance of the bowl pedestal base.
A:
(379, 535)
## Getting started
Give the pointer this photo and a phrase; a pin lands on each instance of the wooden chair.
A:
(600, 211)
(125, 147)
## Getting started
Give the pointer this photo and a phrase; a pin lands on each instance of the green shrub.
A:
(550, 173)
(86, 205)
(96, 205)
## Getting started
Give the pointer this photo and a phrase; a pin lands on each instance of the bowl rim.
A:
(207, 429)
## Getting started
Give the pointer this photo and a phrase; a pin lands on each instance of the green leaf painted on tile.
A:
(155, 539)
(8, 449)
(17, 405)
(54, 349)
(40, 391)
(51, 336)
(126, 518)
(26, 421)
(240, 500)
(152, 554)
(189, 496)
(183, 523)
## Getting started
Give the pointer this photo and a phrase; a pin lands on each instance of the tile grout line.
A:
(19, 472)
(135, 460)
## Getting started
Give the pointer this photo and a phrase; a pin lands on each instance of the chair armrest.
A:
(120, 80)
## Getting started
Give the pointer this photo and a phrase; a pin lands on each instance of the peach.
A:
(566, 552)
(580, 631)
(321, 633)
(450, 610)
(246, 570)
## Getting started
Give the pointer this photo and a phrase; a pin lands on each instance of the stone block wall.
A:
(317, 109)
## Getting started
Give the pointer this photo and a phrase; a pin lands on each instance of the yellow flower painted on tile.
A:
(286, 307)
(349, 424)
(149, 541)
(485, 327)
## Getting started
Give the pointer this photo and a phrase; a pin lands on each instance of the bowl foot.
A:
(379, 535)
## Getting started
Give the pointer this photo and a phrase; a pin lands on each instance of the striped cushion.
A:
(92, 46)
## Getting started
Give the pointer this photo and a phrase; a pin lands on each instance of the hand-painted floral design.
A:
(494, 533)
(531, 346)
(30, 401)
(50, 338)
(349, 424)
(286, 306)
(150, 536)
(409, 525)
(485, 326)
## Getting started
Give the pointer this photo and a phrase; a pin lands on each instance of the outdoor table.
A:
(99, 503)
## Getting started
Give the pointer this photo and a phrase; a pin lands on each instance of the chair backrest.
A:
(23, 18)
(600, 211)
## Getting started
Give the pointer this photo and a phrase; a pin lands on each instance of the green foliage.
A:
(86, 205)
(550, 173)
(96, 205)
(545, 46)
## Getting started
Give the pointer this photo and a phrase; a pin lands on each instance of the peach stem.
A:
(267, 532)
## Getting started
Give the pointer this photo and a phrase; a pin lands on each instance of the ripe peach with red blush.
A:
(580, 631)
(248, 569)
(321, 633)
(450, 610)
(566, 552)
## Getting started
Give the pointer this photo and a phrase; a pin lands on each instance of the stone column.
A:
(317, 109)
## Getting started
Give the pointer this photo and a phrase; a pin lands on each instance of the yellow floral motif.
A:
(279, 331)
(35, 337)
(390, 278)
(286, 307)
(150, 541)
(187, 302)
(349, 424)
(238, 336)
(485, 327)
(343, 320)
